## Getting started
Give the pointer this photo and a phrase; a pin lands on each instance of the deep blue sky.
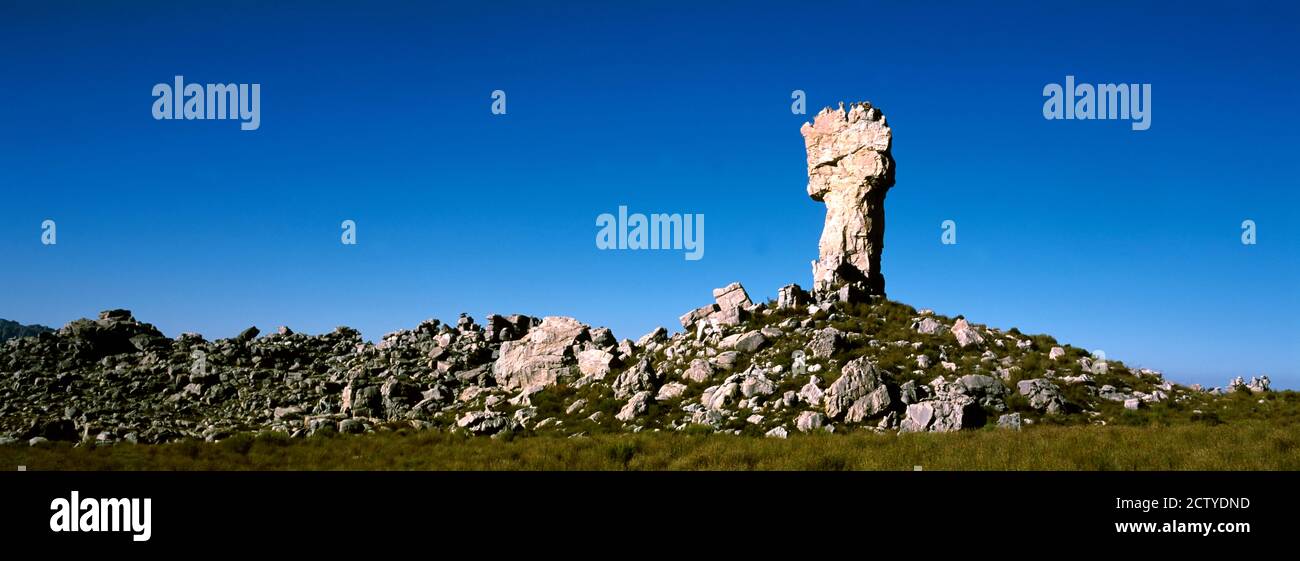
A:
(1109, 239)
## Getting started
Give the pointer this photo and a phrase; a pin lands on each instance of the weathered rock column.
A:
(850, 169)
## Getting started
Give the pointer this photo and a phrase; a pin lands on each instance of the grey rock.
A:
(809, 421)
(948, 414)
(726, 360)
(670, 391)
(826, 343)
(966, 334)
(792, 297)
(1010, 421)
(635, 407)
(988, 390)
(596, 363)
(636, 379)
(928, 326)
(860, 393)
(544, 357)
(1043, 395)
(699, 371)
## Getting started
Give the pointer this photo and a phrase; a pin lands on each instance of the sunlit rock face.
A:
(850, 169)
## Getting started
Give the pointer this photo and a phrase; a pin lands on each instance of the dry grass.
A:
(1238, 446)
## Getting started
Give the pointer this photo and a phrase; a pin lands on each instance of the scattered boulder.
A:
(481, 422)
(544, 357)
(726, 360)
(809, 421)
(635, 407)
(636, 379)
(826, 342)
(860, 393)
(966, 334)
(670, 391)
(928, 326)
(699, 371)
(987, 390)
(719, 397)
(1009, 421)
(756, 384)
(747, 342)
(792, 297)
(810, 393)
(595, 363)
(731, 296)
(689, 318)
(951, 413)
(1043, 395)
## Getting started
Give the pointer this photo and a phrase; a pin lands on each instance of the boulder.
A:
(689, 318)
(966, 334)
(719, 397)
(948, 414)
(731, 296)
(756, 384)
(792, 297)
(928, 326)
(670, 391)
(595, 363)
(636, 379)
(826, 342)
(635, 407)
(1009, 421)
(698, 371)
(1043, 395)
(987, 390)
(860, 393)
(726, 360)
(778, 432)
(659, 335)
(808, 421)
(748, 342)
(810, 393)
(483, 422)
(545, 357)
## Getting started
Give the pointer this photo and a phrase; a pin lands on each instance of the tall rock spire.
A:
(850, 169)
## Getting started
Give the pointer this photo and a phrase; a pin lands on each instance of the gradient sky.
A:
(1110, 239)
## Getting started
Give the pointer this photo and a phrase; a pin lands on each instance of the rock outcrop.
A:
(544, 356)
(850, 168)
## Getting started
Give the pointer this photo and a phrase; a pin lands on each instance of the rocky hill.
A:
(12, 329)
(773, 368)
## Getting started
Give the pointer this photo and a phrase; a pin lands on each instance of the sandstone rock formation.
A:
(544, 356)
(850, 168)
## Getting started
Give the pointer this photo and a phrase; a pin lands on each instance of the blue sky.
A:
(1110, 239)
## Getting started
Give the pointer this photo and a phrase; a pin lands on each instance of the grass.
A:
(1250, 445)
